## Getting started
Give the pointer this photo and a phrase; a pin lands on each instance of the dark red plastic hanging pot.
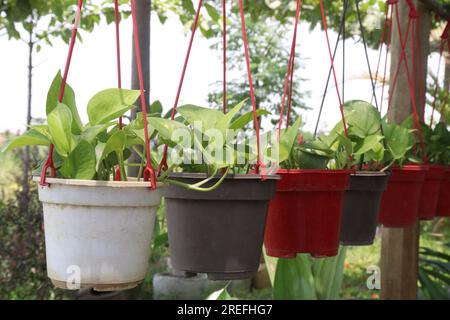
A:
(305, 215)
(443, 206)
(400, 201)
(361, 207)
(430, 192)
(219, 232)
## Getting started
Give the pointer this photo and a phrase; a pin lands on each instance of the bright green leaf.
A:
(59, 122)
(80, 164)
(110, 104)
(68, 100)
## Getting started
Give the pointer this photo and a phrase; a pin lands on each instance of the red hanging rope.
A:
(402, 49)
(119, 71)
(444, 39)
(117, 176)
(388, 44)
(259, 163)
(49, 164)
(163, 163)
(299, 4)
(412, 18)
(290, 71)
(422, 79)
(341, 107)
(149, 173)
(224, 26)
(291, 82)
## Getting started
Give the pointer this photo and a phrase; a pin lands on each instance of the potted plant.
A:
(301, 217)
(97, 231)
(216, 209)
(436, 153)
(367, 184)
(305, 215)
(400, 201)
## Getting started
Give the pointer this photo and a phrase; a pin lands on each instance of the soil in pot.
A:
(98, 233)
(443, 206)
(430, 192)
(305, 215)
(361, 207)
(400, 201)
(219, 232)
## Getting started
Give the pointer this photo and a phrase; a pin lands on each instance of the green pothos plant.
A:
(89, 151)
(204, 140)
(436, 143)
(370, 143)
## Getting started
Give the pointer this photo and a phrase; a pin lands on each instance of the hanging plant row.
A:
(228, 189)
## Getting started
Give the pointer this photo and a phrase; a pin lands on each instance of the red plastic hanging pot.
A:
(400, 202)
(430, 192)
(443, 206)
(305, 215)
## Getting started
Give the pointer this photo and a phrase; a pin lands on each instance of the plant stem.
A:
(388, 166)
(361, 162)
(123, 173)
(196, 187)
(141, 169)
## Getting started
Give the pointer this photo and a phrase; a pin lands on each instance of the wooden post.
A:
(143, 14)
(399, 251)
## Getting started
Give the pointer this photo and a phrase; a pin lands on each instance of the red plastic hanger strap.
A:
(149, 173)
(259, 164)
(163, 163)
(289, 71)
(224, 47)
(49, 162)
(117, 176)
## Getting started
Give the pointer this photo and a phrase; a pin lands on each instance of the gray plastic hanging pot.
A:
(221, 232)
(361, 207)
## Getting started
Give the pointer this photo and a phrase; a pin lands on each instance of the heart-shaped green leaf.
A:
(363, 119)
(59, 126)
(30, 138)
(195, 115)
(68, 100)
(110, 104)
(80, 164)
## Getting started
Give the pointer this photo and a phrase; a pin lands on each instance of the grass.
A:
(433, 235)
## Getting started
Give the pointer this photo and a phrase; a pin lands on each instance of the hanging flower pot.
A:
(305, 215)
(361, 207)
(430, 192)
(400, 201)
(98, 233)
(443, 206)
(218, 232)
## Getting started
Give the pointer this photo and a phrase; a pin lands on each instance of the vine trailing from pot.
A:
(91, 222)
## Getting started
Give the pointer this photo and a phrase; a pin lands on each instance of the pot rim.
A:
(316, 171)
(370, 174)
(98, 183)
(412, 167)
(438, 167)
(250, 176)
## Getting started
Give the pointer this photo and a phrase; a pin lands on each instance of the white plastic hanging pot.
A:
(98, 233)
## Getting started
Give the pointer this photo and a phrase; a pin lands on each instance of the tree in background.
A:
(269, 52)
(267, 22)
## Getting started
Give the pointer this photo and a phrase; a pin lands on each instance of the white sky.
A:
(94, 68)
